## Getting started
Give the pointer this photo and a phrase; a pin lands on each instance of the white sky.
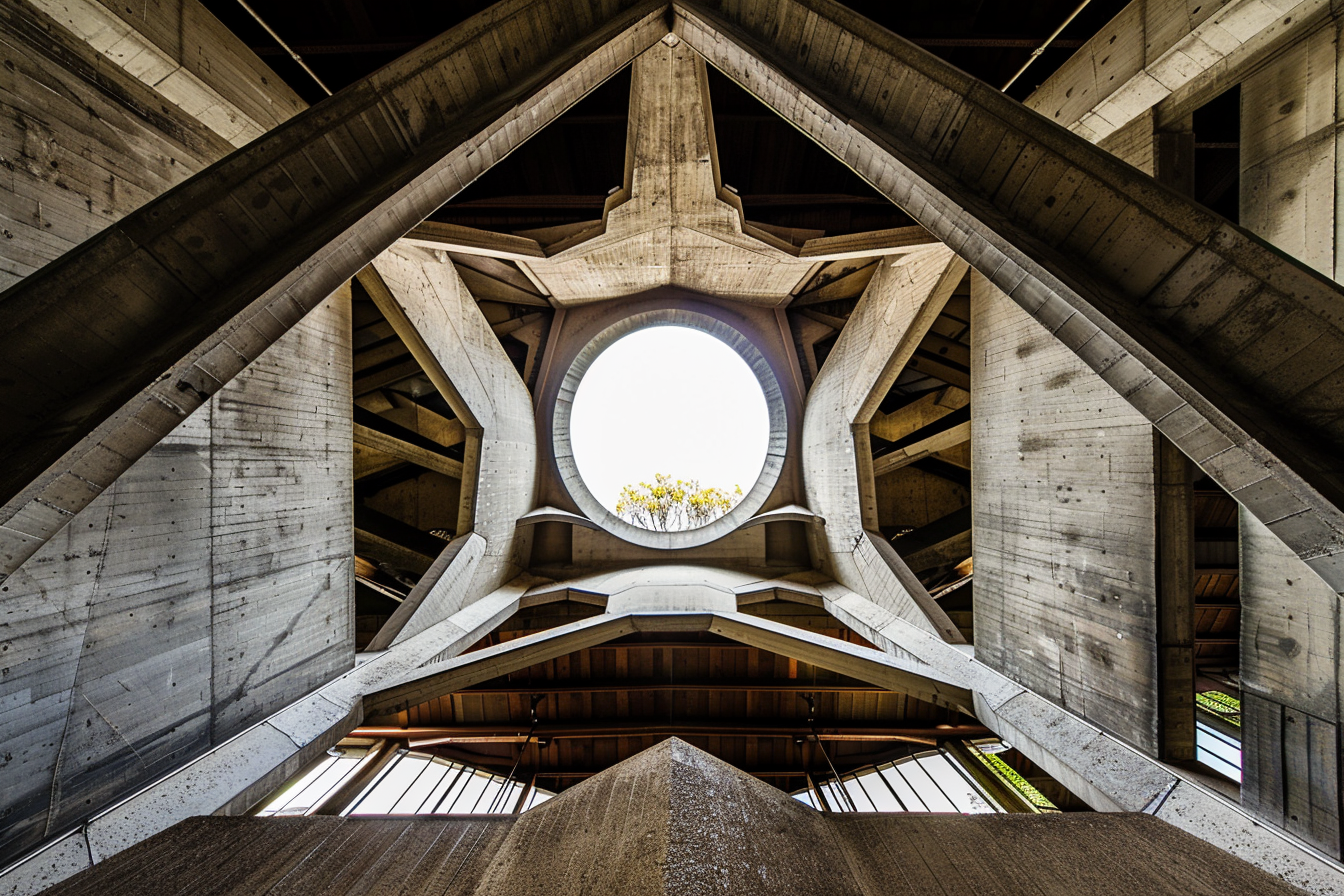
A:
(668, 400)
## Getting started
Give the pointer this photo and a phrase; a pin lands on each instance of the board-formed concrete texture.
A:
(1202, 328)
(177, 545)
(326, 192)
(1059, 456)
(166, 591)
(893, 315)
(689, 823)
(428, 303)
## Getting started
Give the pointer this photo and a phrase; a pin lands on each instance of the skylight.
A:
(670, 402)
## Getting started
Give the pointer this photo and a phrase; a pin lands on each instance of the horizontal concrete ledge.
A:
(550, 514)
(793, 513)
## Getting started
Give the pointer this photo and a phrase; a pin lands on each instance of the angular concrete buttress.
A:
(1234, 351)
(110, 347)
(891, 318)
(430, 308)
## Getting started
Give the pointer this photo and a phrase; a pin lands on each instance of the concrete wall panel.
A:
(207, 588)
(1063, 524)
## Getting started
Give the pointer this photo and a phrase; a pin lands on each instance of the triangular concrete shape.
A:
(675, 820)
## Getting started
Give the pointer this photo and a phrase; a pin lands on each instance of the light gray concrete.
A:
(208, 587)
(252, 269)
(895, 312)
(429, 306)
(1171, 305)
(1103, 770)
(1064, 508)
(1290, 690)
(1167, 51)
(235, 774)
(188, 57)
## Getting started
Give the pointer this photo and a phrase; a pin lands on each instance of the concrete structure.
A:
(1054, 447)
(682, 833)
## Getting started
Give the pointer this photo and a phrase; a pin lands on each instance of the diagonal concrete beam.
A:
(107, 349)
(1107, 773)
(1234, 352)
(895, 311)
(1165, 52)
(432, 311)
(437, 679)
(907, 455)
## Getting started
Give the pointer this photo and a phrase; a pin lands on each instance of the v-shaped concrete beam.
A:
(106, 350)
(1235, 352)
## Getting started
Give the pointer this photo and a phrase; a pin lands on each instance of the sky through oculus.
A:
(676, 403)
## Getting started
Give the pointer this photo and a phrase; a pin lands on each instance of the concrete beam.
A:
(390, 445)
(1233, 351)
(896, 310)
(1168, 52)
(113, 345)
(904, 457)
(232, 777)
(461, 672)
(672, 223)
(436, 316)
(189, 58)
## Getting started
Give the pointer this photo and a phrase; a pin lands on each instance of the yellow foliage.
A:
(671, 505)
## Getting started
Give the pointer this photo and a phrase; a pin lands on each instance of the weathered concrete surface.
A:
(1233, 351)
(653, 607)
(1168, 50)
(1290, 161)
(674, 819)
(181, 607)
(82, 146)
(188, 57)
(1107, 773)
(672, 223)
(233, 776)
(1063, 513)
(207, 588)
(430, 307)
(895, 312)
(147, 320)
(1290, 691)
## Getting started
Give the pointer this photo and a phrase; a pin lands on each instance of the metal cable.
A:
(284, 46)
(1039, 50)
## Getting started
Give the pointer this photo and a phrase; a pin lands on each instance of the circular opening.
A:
(669, 429)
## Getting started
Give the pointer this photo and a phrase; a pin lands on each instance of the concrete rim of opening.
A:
(774, 453)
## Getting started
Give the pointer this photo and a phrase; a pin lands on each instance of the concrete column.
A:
(1290, 691)
(1063, 498)
(1290, 162)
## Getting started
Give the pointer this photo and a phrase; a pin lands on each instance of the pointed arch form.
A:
(1203, 328)
(114, 344)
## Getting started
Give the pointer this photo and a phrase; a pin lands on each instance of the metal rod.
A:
(1041, 49)
(278, 39)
